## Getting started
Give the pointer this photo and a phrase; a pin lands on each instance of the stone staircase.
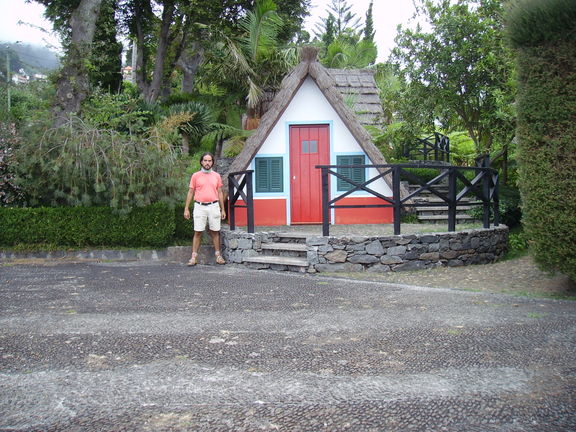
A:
(434, 210)
(289, 253)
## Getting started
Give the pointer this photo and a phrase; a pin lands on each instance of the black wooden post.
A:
(452, 199)
(231, 204)
(486, 193)
(396, 198)
(325, 207)
(249, 201)
(496, 199)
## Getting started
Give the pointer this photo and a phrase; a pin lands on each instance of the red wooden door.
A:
(309, 146)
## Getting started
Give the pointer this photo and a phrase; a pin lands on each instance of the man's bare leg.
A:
(196, 241)
(216, 242)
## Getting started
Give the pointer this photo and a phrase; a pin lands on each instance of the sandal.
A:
(194, 260)
(219, 258)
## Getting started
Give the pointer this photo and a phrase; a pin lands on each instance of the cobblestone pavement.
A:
(157, 346)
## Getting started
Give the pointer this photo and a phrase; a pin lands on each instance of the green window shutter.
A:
(356, 174)
(269, 174)
(276, 175)
(262, 175)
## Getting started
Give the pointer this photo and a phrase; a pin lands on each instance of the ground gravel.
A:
(158, 346)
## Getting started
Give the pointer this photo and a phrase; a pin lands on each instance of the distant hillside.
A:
(31, 58)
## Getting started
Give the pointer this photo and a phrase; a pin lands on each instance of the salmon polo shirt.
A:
(205, 186)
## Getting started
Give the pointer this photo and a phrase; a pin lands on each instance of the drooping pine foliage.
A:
(79, 165)
(543, 32)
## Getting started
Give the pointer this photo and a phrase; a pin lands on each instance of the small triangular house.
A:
(310, 123)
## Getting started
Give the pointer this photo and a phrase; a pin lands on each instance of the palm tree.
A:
(253, 62)
(342, 54)
(196, 121)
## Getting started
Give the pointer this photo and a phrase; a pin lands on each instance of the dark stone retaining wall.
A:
(382, 254)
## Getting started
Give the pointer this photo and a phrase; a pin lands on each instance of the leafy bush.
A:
(517, 242)
(427, 174)
(10, 193)
(462, 149)
(508, 207)
(391, 141)
(30, 101)
(87, 226)
(120, 112)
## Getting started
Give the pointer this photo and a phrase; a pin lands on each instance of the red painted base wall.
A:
(375, 215)
(267, 212)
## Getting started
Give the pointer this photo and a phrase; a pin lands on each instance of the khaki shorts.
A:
(207, 215)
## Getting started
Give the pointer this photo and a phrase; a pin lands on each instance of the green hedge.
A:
(87, 226)
(184, 228)
(546, 105)
(531, 23)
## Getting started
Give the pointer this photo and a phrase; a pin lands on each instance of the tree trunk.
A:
(72, 85)
(185, 144)
(140, 65)
(218, 149)
(163, 40)
(189, 62)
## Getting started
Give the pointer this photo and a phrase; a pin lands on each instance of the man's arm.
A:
(221, 199)
(189, 199)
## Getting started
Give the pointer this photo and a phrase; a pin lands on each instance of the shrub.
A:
(120, 112)
(87, 226)
(30, 101)
(184, 229)
(544, 36)
(508, 207)
(517, 242)
(10, 193)
(78, 165)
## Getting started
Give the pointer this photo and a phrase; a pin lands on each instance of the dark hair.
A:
(208, 154)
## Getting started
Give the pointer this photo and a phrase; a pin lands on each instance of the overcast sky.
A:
(21, 21)
(387, 15)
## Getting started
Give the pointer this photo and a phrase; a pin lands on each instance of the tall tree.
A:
(344, 44)
(180, 35)
(343, 19)
(106, 60)
(459, 73)
(369, 31)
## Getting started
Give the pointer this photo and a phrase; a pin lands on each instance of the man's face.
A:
(207, 162)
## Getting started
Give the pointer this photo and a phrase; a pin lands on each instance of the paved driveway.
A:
(163, 347)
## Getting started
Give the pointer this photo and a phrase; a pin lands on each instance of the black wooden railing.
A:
(435, 147)
(484, 186)
(240, 186)
(498, 160)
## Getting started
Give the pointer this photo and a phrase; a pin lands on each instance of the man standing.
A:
(206, 191)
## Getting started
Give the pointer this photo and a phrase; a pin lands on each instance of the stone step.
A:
(442, 208)
(278, 260)
(444, 217)
(295, 247)
(438, 188)
(435, 199)
(295, 235)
